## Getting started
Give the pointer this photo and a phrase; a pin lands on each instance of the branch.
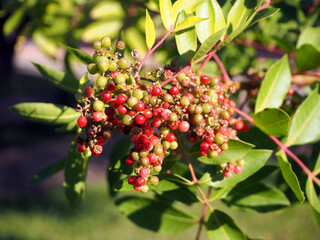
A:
(150, 51)
(203, 215)
(222, 68)
(174, 76)
(285, 149)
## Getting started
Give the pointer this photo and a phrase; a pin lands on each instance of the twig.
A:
(174, 76)
(222, 68)
(203, 215)
(285, 149)
(150, 51)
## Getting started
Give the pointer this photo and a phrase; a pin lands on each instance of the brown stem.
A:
(203, 215)
(285, 149)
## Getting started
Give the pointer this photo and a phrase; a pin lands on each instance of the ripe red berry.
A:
(140, 119)
(101, 140)
(122, 109)
(245, 127)
(132, 180)
(152, 157)
(174, 90)
(203, 152)
(204, 79)
(230, 167)
(237, 169)
(290, 91)
(88, 92)
(97, 150)
(156, 91)
(140, 181)
(144, 172)
(205, 146)
(82, 121)
(170, 137)
(111, 87)
(81, 148)
(139, 106)
(209, 139)
(220, 97)
(154, 140)
(190, 97)
(156, 122)
(184, 126)
(147, 113)
(148, 146)
(143, 138)
(121, 99)
(137, 187)
(239, 125)
(227, 173)
(107, 96)
(97, 116)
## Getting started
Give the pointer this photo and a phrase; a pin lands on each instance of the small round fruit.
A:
(158, 149)
(120, 79)
(107, 96)
(174, 145)
(213, 154)
(82, 121)
(87, 153)
(173, 117)
(184, 126)
(174, 90)
(105, 42)
(185, 101)
(156, 91)
(157, 168)
(132, 101)
(103, 65)
(101, 81)
(204, 79)
(132, 180)
(113, 66)
(144, 189)
(140, 181)
(154, 180)
(227, 173)
(92, 68)
(238, 125)
(97, 45)
(137, 93)
(144, 172)
(98, 106)
(137, 187)
(170, 137)
(123, 63)
(237, 169)
(241, 162)
(81, 148)
(127, 120)
(140, 119)
(97, 116)
(121, 99)
(167, 98)
(88, 92)
(219, 138)
(197, 119)
(120, 45)
(144, 161)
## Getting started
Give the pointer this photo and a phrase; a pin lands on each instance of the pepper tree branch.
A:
(203, 215)
(284, 148)
(150, 51)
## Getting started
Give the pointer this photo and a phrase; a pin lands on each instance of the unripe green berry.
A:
(143, 153)
(184, 101)
(213, 154)
(154, 180)
(101, 81)
(219, 138)
(164, 131)
(166, 145)
(173, 117)
(181, 76)
(127, 120)
(167, 98)
(192, 109)
(145, 189)
(199, 72)
(138, 93)
(105, 42)
(97, 45)
(92, 68)
(123, 63)
(223, 165)
(153, 100)
(158, 149)
(98, 106)
(174, 145)
(214, 82)
(157, 168)
(113, 66)
(135, 156)
(241, 162)
(206, 107)
(198, 118)
(132, 101)
(198, 109)
(224, 146)
(103, 65)
(87, 153)
(144, 161)
(120, 79)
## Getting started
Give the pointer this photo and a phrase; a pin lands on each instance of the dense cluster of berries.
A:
(192, 103)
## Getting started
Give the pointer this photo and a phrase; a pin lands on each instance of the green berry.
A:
(167, 98)
(145, 189)
(113, 66)
(198, 118)
(184, 101)
(181, 76)
(164, 131)
(127, 120)
(105, 42)
(157, 168)
(143, 153)
(135, 156)
(120, 79)
(213, 154)
(137, 93)
(123, 63)
(101, 81)
(198, 109)
(158, 149)
(154, 180)
(173, 117)
(166, 145)
(144, 161)
(174, 145)
(219, 138)
(132, 101)
(97, 45)
(103, 65)
(98, 106)
(224, 146)
(92, 68)
(87, 153)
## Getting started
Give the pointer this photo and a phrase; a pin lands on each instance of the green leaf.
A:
(107, 10)
(69, 127)
(75, 176)
(150, 31)
(307, 58)
(135, 40)
(289, 176)
(255, 159)
(263, 14)
(14, 21)
(84, 81)
(221, 193)
(45, 43)
(212, 10)
(186, 39)
(310, 35)
(62, 80)
(305, 123)
(47, 113)
(275, 85)
(208, 44)
(222, 226)
(257, 198)
(181, 194)
(237, 149)
(98, 29)
(187, 23)
(273, 121)
(188, 6)
(258, 138)
(166, 13)
(312, 195)
(316, 216)
(239, 13)
(49, 171)
(81, 55)
(157, 216)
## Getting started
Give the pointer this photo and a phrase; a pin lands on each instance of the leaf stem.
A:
(150, 51)
(203, 215)
(284, 148)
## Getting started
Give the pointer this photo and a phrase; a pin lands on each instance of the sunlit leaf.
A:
(14, 21)
(150, 31)
(166, 13)
(187, 23)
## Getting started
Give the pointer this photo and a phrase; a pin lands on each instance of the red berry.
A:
(122, 99)
(203, 152)
(140, 119)
(107, 96)
(245, 128)
(109, 111)
(239, 125)
(174, 125)
(230, 167)
(205, 146)
(132, 113)
(152, 157)
(97, 116)
(82, 121)
(97, 150)
(143, 138)
(111, 87)
(101, 140)
(170, 137)
(129, 160)
(115, 103)
(122, 109)
(157, 110)
(190, 97)
(290, 91)
(88, 92)
(220, 97)
(232, 104)
(81, 148)
(156, 122)
(204, 79)
(139, 106)
(154, 140)
(227, 173)
(137, 187)
(140, 181)
(237, 169)
(224, 130)
(114, 74)
(156, 91)
(147, 113)
(132, 180)
(144, 172)
(184, 126)
(209, 139)
(148, 146)
(147, 130)
(174, 90)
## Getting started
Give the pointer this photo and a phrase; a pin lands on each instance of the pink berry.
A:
(97, 116)
(227, 173)
(144, 172)
(184, 126)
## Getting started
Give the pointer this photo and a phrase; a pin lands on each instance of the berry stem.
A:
(174, 76)
(203, 215)
(150, 51)
(194, 177)
(285, 149)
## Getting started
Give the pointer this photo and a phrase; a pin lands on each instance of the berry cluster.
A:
(152, 114)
